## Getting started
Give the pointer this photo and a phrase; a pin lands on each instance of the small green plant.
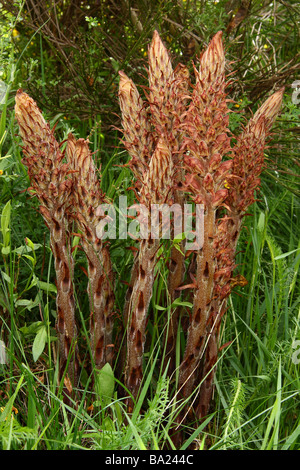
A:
(12, 434)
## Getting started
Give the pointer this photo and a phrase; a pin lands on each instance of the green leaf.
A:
(6, 277)
(27, 248)
(284, 255)
(6, 413)
(261, 222)
(39, 343)
(196, 433)
(5, 250)
(46, 286)
(159, 307)
(5, 222)
(105, 383)
(135, 432)
(29, 243)
(179, 238)
(291, 439)
(178, 302)
(29, 304)
(32, 328)
(30, 259)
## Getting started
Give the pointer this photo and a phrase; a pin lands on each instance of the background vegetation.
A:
(67, 55)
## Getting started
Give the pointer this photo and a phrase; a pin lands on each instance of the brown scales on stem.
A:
(244, 180)
(162, 113)
(49, 179)
(87, 197)
(207, 141)
(155, 189)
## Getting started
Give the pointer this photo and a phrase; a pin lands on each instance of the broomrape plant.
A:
(181, 149)
(48, 175)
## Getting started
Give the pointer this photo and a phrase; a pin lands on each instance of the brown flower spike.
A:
(87, 197)
(153, 137)
(244, 180)
(168, 97)
(155, 190)
(207, 142)
(48, 176)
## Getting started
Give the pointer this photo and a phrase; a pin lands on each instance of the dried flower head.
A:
(206, 126)
(49, 179)
(87, 197)
(43, 158)
(248, 161)
(138, 139)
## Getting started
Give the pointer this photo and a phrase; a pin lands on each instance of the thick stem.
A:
(206, 265)
(176, 277)
(208, 374)
(219, 305)
(123, 349)
(65, 325)
(175, 280)
(138, 309)
(101, 297)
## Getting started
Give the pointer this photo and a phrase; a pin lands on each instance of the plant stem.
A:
(138, 309)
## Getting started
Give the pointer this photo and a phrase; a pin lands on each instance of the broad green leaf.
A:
(46, 286)
(5, 250)
(105, 383)
(39, 343)
(28, 303)
(261, 222)
(6, 277)
(27, 248)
